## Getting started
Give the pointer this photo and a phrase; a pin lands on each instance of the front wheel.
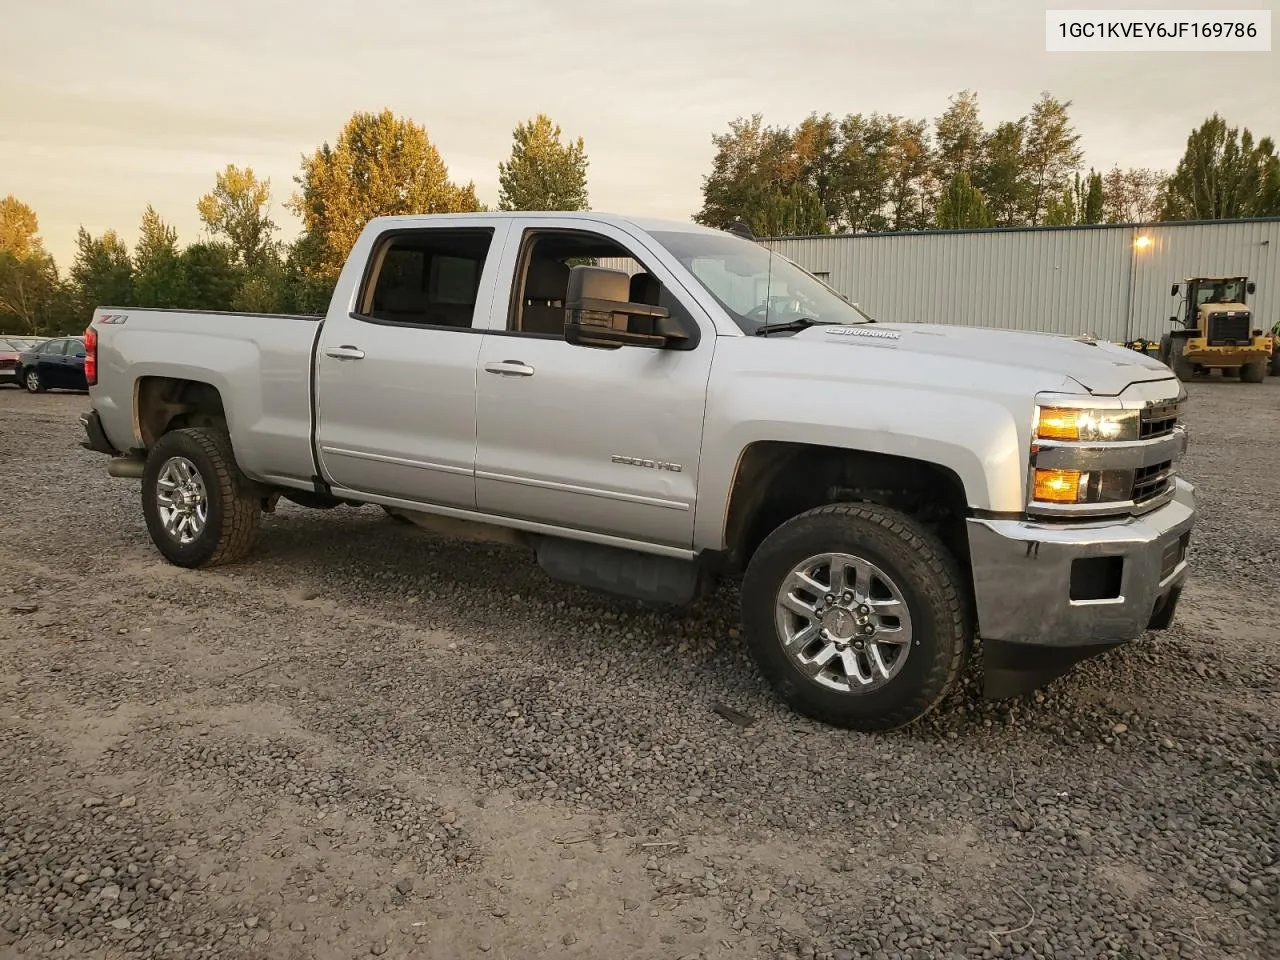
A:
(195, 501)
(31, 380)
(857, 615)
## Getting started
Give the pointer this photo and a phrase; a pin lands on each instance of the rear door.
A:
(396, 377)
(603, 440)
(52, 363)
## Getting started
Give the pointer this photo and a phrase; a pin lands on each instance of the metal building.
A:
(1111, 281)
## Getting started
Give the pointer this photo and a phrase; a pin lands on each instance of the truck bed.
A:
(268, 357)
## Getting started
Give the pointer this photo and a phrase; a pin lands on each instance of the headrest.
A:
(645, 289)
(546, 280)
(404, 299)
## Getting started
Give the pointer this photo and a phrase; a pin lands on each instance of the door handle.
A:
(344, 352)
(509, 368)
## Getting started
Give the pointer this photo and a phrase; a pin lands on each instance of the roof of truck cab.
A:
(648, 224)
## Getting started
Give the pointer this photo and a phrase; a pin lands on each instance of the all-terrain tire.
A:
(233, 512)
(1182, 368)
(929, 579)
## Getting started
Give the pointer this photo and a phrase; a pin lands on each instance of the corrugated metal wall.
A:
(1061, 280)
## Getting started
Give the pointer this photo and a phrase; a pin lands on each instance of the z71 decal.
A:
(113, 318)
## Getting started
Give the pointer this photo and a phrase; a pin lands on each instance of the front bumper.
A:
(1025, 572)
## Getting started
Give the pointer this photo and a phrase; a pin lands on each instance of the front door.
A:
(396, 379)
(603, 440)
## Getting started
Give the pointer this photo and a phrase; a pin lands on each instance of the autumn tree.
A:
(157, 264)
(19, 229)
(961, 205)
(102, 273)
(236, 211)
(747, 164)
(1224, 174)
(380, 165)
(543, 172)
(29, 287)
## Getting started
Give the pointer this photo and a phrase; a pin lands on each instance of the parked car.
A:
(10, 354)
(886, 491)
(54, 364)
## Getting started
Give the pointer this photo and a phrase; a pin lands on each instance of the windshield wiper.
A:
(804, 323)
(790, 326)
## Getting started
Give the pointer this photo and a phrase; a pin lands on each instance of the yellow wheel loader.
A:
(1217, 331)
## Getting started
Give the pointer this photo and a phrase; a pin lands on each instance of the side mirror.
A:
(1251, 286)
(599, 313)
(1174, 291)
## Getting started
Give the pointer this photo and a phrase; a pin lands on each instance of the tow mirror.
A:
(1174, 291)
(599, 313)
(1251, 286)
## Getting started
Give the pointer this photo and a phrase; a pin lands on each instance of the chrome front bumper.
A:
(1025, 572)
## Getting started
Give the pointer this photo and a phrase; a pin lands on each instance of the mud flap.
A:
(1015, 669)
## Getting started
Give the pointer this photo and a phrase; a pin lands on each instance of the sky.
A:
(106, 107)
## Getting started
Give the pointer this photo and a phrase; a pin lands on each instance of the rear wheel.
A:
(31, 380)
(856, 615)
(1254, 372)
(198, 509)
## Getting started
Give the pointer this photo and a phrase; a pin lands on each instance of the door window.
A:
(542, 280)
(426, 278)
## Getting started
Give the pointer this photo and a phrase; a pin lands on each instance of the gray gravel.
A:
(368, 742)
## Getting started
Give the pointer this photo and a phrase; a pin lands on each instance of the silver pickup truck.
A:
(653, 406)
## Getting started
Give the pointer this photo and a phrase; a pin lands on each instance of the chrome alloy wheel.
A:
(843, 622)
(181, 497)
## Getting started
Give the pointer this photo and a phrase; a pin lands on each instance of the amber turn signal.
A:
(1059, 486)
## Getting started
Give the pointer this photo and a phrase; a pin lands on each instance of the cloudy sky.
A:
(105, 107)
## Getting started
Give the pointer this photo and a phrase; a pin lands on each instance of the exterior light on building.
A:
(1142, 241)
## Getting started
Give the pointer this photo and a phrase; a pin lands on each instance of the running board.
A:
(629, 573)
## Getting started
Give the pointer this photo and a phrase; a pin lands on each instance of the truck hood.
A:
(1100, 367)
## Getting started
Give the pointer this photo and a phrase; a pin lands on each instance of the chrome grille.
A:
(1158, 421)
(1150, 482)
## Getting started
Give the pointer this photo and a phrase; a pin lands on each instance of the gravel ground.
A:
(368, 742)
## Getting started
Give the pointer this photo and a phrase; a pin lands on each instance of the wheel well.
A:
(167, 403)
(777, 480)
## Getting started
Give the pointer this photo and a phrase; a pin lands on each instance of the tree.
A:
(1091, 205)
(235, 212)
(1051, 154)
(19, 229)
(543, 173)
(962, 205)
(102, 274)
(380, 165)
(1061, 210)
(1132, 196)
(1224, 174)
(958, 137)
(210, 276)
(29, 287)
(157, 264)
(748, 163)
(908, 163)
(862, 185)
(1000, 176)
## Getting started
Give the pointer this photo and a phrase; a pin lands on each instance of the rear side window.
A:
(426, 278)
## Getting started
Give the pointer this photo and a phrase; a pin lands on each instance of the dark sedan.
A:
(54, 364)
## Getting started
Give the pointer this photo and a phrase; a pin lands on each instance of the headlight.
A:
(1087, 425)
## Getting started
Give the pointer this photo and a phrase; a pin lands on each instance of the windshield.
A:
(754, 285)
(1220, 291)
